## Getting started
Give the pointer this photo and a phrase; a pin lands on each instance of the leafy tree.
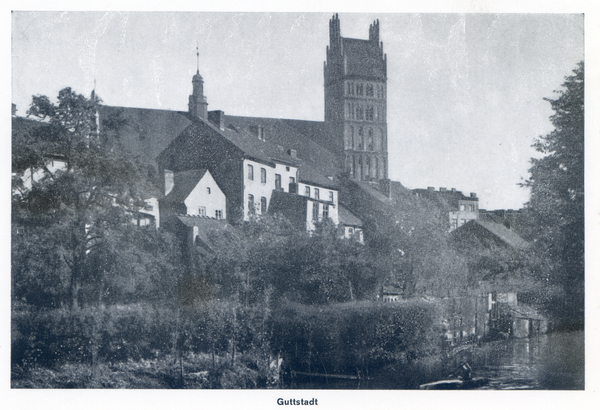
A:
(557, 193)
(81, 212)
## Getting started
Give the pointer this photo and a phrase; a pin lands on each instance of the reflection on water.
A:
(546, 362)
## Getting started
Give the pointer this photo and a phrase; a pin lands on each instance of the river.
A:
(546, 362)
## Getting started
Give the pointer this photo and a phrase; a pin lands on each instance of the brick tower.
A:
(356, 103)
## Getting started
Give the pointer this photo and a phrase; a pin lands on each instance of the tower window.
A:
(369, 90)
(370, 140)
(359, 89)
(250, 172)
(369, 114)
(360, 138)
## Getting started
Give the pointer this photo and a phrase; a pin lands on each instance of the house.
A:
(461, 208)
(193, 192)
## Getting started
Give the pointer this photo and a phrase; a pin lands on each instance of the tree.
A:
(557, 193)
(84, 208)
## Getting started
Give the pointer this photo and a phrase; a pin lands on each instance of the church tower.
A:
(356, 102)
(197, 106)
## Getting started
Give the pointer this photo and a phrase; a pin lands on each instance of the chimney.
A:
(217, 117)
(431, 188)
(473, 195)
(453, 189)
(292, 153)
(442, 189)
(169, 181)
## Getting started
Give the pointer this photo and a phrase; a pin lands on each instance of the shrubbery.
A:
(363, 336)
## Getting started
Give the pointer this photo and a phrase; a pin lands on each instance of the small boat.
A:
(456, 384)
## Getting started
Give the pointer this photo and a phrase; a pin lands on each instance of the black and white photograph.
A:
(301, 203)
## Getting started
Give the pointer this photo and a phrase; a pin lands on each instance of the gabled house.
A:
(193, 192)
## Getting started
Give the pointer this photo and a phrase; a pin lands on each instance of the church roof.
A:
(184, 183)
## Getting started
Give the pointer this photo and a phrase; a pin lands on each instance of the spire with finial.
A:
(197, 104)
(197, 59)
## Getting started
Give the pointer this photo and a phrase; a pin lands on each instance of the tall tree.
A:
(557, 192)
(83, 204)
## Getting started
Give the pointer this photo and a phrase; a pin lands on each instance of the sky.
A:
(465, 91)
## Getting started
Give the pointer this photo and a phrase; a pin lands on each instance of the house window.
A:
(202, 211)
(250, 204)
(250, 172)
(317, 193)
(315, 213)
(263, 205)
(307, 191)
(454, 223)
(263, 176)
(325, 212)
(472, 208)
(219, 214)
(208, 190)
(277, 181)
(330, 196)
(292, 180)
(462, 207)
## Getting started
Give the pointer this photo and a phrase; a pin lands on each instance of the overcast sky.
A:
(465, 92)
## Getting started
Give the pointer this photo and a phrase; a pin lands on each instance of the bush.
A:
(344, 338)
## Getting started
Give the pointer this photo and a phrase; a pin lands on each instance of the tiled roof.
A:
(206, 228)
(316, 163)
(505, 234)
(499, 232)
(145, 132)
(347, 218)
(184, 183)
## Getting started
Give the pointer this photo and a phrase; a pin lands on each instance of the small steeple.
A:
(198, 106)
